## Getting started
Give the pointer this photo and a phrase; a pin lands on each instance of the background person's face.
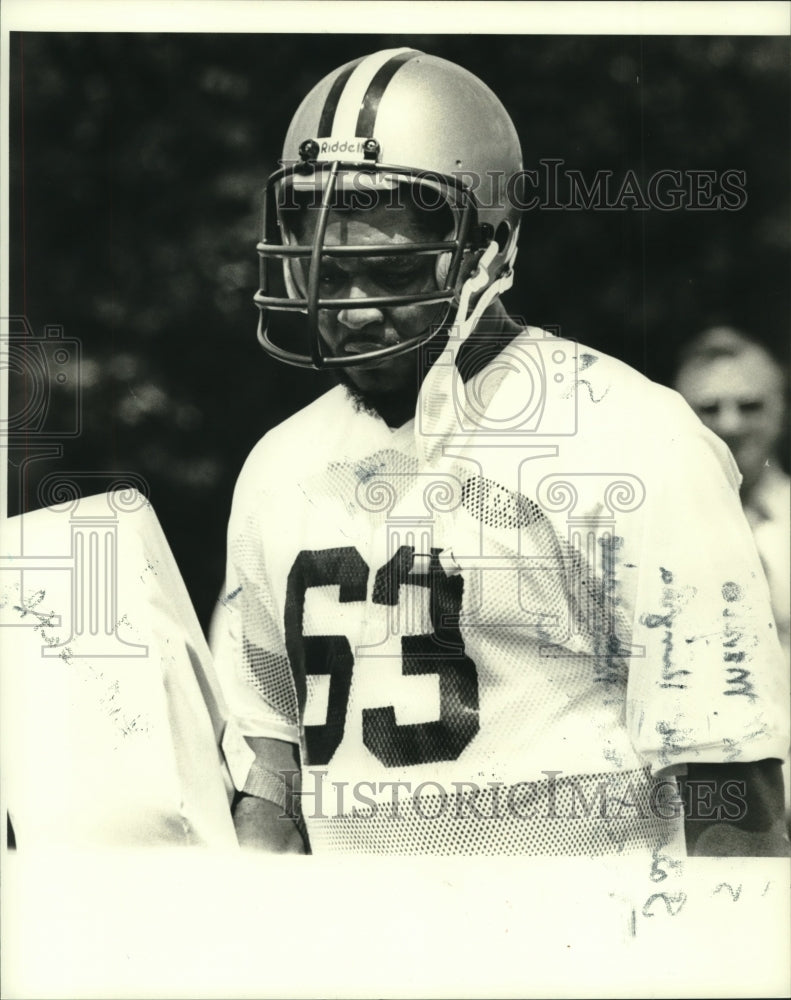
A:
(741, 400)
(359, 330)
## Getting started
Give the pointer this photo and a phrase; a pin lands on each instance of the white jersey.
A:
(497, 628)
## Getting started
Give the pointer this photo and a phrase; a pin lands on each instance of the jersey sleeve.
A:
(711, 685)
(247, 634)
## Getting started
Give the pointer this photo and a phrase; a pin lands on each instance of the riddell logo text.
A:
(341, 146)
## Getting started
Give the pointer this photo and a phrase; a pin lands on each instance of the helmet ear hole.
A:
(502, 234)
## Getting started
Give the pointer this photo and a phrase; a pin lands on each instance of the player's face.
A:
(741, 400)
(349, 332)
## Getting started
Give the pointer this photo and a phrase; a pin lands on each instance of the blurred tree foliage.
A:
(137, 164)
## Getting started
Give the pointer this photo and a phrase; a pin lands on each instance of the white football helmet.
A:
(394, 118)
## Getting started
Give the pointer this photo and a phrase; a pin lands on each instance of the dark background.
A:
(137, 164)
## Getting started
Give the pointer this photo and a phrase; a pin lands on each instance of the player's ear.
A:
(294, 278)
(292, 231)
(443, 263)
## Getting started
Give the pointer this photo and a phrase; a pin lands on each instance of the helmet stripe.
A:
(331, 103)
(373, 95)
(351, 100)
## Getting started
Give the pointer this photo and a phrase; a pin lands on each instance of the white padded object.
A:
(111, 711)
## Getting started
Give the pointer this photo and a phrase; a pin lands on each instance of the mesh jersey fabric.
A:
(541, 590)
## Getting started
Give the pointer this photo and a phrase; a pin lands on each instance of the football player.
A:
(492, 593)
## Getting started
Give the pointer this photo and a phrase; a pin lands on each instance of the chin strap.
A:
(437, 418)
(462, 324)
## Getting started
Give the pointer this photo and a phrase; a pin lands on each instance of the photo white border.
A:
(158, 925)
